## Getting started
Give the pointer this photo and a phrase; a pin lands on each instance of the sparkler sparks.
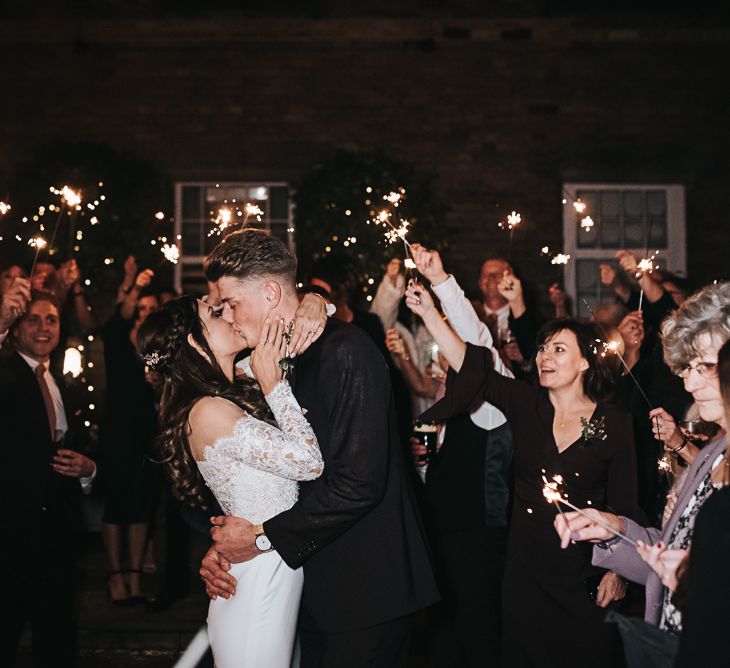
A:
(253, 210)
(395, 198)
(580, 207)
(560, 258)
(586, 223)
(160, 215)
(171, 253)
(71, 197)
(664, 464)
(37, 242)
(4, 208)
(513, 220)
(552, 491)
(646, 265)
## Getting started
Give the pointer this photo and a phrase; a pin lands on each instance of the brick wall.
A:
(500, 112)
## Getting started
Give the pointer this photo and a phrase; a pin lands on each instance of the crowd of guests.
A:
(625, 413)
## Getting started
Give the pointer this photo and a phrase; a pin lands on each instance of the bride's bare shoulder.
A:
(211, 418)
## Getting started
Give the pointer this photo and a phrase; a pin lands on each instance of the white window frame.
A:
(673, 258)
(197, 260)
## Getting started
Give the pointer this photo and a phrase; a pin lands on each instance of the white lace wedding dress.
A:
(253, 473)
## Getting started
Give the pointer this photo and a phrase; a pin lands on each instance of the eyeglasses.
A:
(706, 370)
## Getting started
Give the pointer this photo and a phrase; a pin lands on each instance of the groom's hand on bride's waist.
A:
(213, 571)
(234, 538)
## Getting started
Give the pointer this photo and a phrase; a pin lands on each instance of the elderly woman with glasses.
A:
(692, 337)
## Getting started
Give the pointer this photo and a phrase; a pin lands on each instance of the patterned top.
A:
(681, 539)
(253, 472)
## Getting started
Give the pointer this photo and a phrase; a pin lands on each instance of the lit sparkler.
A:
(171, 252)
(580, 207)
(513, 220)
(70, 197)
(586, 223)
(560, 258)
(72, 362)
(395, 198)
(38, 243)
(4, 208)
(553, 494)
(664, 464)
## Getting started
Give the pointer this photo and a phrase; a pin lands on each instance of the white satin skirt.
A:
(257, 626)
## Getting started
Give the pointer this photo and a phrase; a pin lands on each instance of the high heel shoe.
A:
(139, 599)
(125, 602)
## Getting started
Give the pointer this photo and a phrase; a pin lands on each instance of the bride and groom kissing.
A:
(321, 539)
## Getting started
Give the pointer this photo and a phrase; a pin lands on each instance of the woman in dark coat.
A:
(553, 600)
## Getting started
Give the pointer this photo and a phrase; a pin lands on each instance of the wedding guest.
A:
(43, 441)
(8, 274)
(692, 337)
(561, 428)
(127, 439)
(706, 616)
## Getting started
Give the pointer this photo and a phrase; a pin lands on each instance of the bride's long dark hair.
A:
(187, 377)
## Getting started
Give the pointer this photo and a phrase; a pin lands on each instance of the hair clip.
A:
(153, 359)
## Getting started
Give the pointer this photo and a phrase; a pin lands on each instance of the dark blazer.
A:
(31, 491)
(355, 529)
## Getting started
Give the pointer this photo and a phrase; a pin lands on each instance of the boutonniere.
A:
(287, 362)
(595, 428)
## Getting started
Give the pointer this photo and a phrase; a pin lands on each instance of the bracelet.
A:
(684, 442)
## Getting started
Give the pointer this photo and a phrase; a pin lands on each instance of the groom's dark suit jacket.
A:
(355, 529)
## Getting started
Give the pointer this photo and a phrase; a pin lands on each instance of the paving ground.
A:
(113, 637)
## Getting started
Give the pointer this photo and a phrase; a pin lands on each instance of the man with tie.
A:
(43, 477)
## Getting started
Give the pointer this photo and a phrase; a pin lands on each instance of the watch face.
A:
(263, 543)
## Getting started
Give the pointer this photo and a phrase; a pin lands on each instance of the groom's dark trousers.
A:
(355, 530)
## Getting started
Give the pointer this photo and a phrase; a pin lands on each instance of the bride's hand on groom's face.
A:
(309, 322)
(265, 358)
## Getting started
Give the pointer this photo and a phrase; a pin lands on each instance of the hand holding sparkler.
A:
(588, 524)
(14, 302)
(429, 264)
(665, 429)
(632, 332)
(419, 300)
(510, 287)
(144, 278)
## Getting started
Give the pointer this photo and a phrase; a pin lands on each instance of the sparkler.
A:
(171, 252)
(560, 258)
(586, 223)
(4, 208)
(553, 494)
(38, 243)
(72, 362)
(226, 217)
(664, 464)
(645, 266)
(513, 220)
(580, 207)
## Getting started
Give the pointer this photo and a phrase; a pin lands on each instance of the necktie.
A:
(40, 370)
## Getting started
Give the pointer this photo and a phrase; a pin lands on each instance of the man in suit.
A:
(355, 529)
(44, 476)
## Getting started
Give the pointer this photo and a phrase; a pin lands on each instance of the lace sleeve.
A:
(290, 452)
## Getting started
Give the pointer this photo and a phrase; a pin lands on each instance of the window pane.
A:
(191, 203)
(610, 232)
(279, 203)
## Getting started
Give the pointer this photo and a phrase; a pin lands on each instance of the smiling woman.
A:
(558, 597)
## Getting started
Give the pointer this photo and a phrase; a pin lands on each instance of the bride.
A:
(247, 439)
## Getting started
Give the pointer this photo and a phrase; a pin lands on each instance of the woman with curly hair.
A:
(247, 439)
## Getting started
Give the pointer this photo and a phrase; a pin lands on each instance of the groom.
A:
(355, 530)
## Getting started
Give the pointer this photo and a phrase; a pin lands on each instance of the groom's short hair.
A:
(251, 254)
